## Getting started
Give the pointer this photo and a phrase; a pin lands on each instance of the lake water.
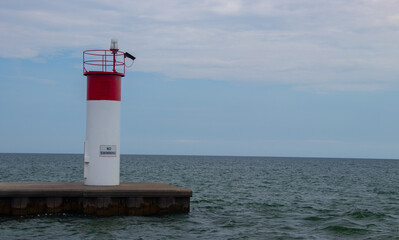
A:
(233, 198)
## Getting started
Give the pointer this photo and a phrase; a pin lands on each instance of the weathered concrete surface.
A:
(126, 199)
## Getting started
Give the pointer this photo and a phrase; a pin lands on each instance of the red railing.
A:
(106, 61)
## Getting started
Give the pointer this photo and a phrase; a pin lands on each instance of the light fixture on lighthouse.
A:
(114, 45)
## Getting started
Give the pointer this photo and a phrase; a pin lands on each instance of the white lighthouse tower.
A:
(104, 70)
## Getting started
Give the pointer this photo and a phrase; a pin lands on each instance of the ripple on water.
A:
(343, 230)
(365, 213)
(315, 218)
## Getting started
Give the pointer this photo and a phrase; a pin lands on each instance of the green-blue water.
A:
(233, 198)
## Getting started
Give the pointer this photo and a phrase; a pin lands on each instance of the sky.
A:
(295, 78)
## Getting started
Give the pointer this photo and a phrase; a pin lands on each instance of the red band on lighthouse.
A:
(104, 87)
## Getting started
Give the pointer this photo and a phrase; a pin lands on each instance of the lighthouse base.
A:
(20, 199)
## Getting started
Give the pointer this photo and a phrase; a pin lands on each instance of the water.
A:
(233, 198)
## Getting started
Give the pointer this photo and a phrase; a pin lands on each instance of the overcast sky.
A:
(265, 78)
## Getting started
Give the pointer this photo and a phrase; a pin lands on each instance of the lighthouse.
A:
(104, 70)
(101, 193)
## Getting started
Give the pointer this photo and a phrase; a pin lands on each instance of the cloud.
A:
(227, 7)
(291, 42)
(188, 141)
(36, 79)
(362, 87)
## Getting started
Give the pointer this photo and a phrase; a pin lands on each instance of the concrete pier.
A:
(28, 198)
